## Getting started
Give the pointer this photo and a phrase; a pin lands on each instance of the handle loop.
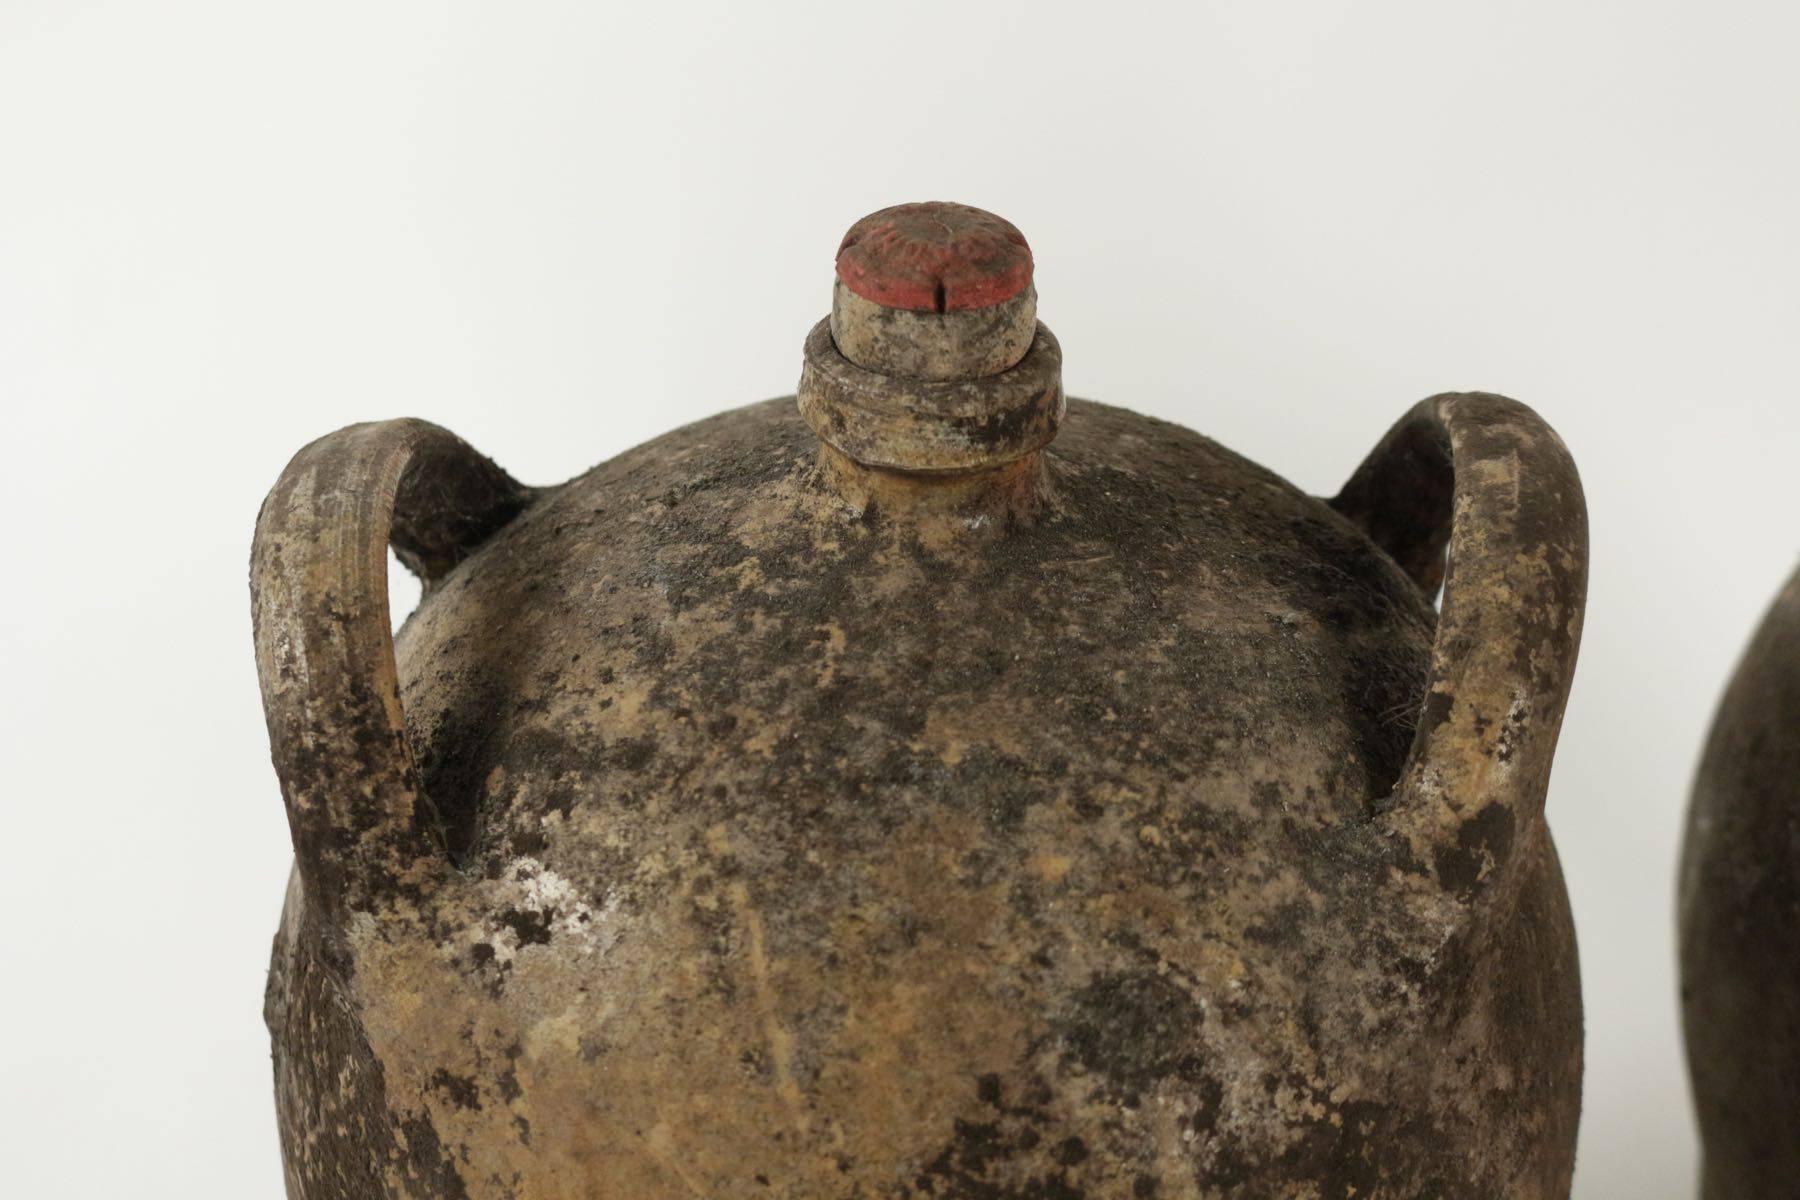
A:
(364, 833)
(1486, 477)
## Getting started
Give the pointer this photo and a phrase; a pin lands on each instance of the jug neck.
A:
(957, 504)
(932, 386)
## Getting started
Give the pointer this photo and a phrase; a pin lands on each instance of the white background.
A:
(227, 228)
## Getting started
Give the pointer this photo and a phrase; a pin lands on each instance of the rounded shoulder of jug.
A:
(711, 612)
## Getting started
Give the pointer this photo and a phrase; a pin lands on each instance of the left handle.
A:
(364, 832)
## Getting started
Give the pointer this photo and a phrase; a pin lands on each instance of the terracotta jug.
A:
(1740, 922)
(926, 787)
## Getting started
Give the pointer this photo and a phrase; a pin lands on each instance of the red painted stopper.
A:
(934, 257)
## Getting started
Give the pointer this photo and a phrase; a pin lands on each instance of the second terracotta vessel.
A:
(1740, 922)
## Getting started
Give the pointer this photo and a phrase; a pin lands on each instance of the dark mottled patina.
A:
(1111, 820)
(1740, 922)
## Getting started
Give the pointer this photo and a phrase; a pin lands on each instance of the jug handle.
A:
(364, 832)
(1486, 479)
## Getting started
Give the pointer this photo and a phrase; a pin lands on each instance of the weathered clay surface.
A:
(936, 425)
(968, 343)
(1740, 923)
(739, 822)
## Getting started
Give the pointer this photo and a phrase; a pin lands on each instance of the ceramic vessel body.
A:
(797, 846)
(1740, 922)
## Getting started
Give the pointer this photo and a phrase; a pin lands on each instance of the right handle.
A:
(1485, 477)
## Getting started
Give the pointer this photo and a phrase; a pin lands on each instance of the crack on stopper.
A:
(934, 257)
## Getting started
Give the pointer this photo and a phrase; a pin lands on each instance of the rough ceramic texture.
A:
(1740, 923)
(932, 425)
(966, 344)
(737, 822)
